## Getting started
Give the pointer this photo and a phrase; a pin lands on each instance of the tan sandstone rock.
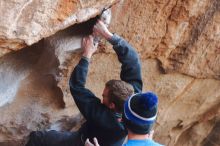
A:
(24, 22)
(178, 42)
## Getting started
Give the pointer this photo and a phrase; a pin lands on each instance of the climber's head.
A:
(115, 94)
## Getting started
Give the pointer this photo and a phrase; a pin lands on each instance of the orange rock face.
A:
(178, 42)
(26, 22)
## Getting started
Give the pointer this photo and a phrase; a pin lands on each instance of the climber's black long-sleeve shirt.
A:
(101, 122)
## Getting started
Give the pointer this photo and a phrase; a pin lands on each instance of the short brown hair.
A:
(118, 92)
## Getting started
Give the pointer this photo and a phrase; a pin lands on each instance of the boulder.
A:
(178, 42)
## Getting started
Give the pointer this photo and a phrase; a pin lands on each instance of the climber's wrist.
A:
(107, 35)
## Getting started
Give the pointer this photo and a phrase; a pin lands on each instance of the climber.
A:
(103, 119)
(140, 112)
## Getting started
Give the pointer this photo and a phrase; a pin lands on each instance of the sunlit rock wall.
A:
(24, 22)
(178, 42)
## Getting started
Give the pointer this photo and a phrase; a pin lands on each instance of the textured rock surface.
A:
(177, 40)
(183, 35)
(24, 22)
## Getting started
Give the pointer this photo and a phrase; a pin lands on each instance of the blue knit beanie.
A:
(140, 112)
